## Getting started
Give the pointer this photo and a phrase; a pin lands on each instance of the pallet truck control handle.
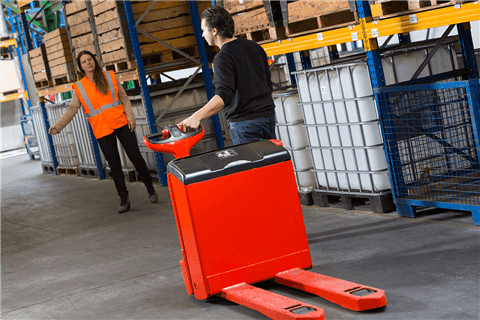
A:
(172, 140)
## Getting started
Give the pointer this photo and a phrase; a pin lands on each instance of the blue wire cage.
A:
(431, 136)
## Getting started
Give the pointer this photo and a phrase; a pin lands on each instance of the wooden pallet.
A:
(112, 36)
(75, 6)
(256, 19)
(4, 95)
(80, 28)
(64, 171)
(321, 22)
(385, 9)
(379, 203)
(119, 66)
(59, 57)
(40, 66)
(266, 35)
(43, 83)
(4, 54)
(42, 80)
(165, 60)
(62, 79)
(63, 73)
(235, 6)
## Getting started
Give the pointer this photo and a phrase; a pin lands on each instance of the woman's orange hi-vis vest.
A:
(104, 112)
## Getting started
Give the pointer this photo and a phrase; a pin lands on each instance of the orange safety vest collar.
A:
(104, 112)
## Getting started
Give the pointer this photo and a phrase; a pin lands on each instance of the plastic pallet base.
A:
(306, 198)
(47, 168)
(379, 203)
(88, 172)
(130, 174)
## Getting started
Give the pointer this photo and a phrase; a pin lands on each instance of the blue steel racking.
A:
(140, 74)
(20, 50)
(368, 31)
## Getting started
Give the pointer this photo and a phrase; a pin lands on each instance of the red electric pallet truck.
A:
(240, 222)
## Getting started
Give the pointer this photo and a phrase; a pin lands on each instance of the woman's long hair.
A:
(98, 76)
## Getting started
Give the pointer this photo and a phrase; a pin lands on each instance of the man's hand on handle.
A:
(190, 124)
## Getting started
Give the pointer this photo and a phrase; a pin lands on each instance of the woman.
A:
(110, 115)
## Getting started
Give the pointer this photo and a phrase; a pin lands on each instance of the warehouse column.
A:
(147, 103)
(26, 29)
(305, 59)
(51, 149)
(291, 68)
(217, 128)
(468, 51)
(378, 80)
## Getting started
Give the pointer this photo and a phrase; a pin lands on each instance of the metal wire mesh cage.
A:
(432, 143)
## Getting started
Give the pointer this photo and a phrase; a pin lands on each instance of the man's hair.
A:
(219, 18)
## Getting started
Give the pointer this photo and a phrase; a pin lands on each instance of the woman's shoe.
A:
(124, 205)
(153, 197)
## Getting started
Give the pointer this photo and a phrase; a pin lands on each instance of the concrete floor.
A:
(67, 254)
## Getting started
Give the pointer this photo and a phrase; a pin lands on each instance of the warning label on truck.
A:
(226, 153)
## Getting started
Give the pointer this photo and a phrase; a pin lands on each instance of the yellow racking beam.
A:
(313, 41)
(14, 96)
(457, 14)
(8, 43)
(53, 90)
(366, 31)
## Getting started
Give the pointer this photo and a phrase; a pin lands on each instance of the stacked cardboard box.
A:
(40, 67)
(59, 56)
(80, 28)
(112, 35)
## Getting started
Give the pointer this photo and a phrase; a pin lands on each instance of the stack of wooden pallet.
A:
(40, 67)
(80, 27)
(313, 16)
(170, 22)
(384, 9)
(112, 35)
(252, 21)
(59, 56)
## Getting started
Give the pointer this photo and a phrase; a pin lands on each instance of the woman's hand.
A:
(132, 125)
(53, 130)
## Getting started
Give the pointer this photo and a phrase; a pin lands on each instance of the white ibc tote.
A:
(342, 122)
(291, 132)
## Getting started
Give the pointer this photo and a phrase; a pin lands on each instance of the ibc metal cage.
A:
(431, 136)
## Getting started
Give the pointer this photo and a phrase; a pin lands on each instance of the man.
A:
(243, 88)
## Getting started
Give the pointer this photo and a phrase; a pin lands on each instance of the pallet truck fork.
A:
(240, 222)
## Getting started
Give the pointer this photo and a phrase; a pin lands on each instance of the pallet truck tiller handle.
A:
(172, 140)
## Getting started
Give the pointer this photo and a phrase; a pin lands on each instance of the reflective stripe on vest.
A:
(93, 112)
